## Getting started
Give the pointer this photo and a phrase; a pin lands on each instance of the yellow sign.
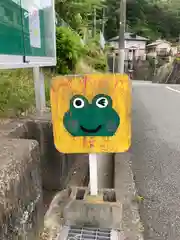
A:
(91, 113)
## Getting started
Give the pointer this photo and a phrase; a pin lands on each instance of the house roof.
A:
(129, 36)
(157, 42)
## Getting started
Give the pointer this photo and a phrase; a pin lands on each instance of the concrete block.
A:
(21, 207)
(104, 215)
(90, 211)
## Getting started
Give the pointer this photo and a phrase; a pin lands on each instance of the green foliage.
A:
(100, 64)
(77, 13)
(16, 91)
(151, 61)
(95, 56)
(69, 50)
(17, 95)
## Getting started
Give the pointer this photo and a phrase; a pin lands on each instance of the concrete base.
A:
(86, 210)
(75, 206)
(126, 193)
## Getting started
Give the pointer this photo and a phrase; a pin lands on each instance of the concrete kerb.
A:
(126, 193)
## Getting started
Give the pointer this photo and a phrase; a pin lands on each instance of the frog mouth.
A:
(90, 130)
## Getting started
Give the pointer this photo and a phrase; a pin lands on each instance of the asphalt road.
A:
(156, 157)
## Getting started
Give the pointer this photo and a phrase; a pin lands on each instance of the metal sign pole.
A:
(39, 89)
(93, 172)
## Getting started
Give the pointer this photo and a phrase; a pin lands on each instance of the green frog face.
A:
(91, 119)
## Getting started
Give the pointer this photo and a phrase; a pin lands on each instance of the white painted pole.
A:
(39, 89)
(42, 90)
(93, 172)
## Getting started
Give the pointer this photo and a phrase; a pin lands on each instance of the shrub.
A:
(16, 91)
(101, 64)
(95, 56)
(69, 50)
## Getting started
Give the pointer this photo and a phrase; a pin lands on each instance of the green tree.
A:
(78, 13)
(150, 18)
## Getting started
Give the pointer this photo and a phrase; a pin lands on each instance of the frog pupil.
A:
(78, 103)
(102, 102)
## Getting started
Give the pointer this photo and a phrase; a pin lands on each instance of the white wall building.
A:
(159, 48)
(135, 46)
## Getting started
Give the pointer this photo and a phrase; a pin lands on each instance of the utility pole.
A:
(122, 28)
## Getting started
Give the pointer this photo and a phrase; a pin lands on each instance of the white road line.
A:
(172, 89)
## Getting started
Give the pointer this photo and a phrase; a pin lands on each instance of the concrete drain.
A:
(89, 233)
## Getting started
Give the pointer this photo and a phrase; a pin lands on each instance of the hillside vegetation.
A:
(150, 18)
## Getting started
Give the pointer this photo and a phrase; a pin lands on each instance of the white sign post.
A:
(39, 89)
(93, 172)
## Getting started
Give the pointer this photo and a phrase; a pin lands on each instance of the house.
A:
(174, 50)
(159, 48)
(135, 46)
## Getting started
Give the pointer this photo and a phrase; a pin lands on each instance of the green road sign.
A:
(27, 33)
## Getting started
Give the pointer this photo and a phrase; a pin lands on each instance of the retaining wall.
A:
(30, 166)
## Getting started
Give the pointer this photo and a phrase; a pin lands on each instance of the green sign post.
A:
(27, 38)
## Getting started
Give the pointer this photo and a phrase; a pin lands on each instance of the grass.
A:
(82, 68)
(17, 95)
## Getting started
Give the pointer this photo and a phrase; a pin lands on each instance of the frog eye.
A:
(102, 102)
(78, 102)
